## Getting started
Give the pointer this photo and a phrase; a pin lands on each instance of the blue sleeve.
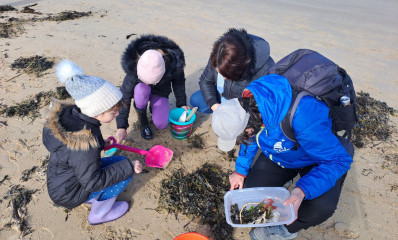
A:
(312, 127)
(245, 158)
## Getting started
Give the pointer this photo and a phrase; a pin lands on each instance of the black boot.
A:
(146, 132)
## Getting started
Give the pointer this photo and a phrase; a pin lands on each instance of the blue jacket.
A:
(313, 131)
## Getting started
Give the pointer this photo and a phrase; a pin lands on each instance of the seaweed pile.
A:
(199, 194)
(18, 198)
(66, 15)
(33, 65)
(14, 26)
(7, 8)
(11, 28)
(31, 107)
(373, 121)
(257, 213)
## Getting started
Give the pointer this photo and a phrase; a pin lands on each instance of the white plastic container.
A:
(258, 194)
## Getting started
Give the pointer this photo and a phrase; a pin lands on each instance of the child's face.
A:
(107, 116)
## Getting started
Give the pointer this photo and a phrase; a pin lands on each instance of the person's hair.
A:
(255, 120)
(229, 56)
(119, 105)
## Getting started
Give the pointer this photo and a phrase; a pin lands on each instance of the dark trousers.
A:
(266, 173)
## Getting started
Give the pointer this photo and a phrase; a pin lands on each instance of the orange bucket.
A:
(191, 236)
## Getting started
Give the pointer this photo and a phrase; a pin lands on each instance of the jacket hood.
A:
(173, 55)
(256, 48)
(273, 95)
(261, 52)
(55, 135)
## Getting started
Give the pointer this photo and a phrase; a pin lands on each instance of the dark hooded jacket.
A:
(257, 49)
(75, 142)
(173, 78)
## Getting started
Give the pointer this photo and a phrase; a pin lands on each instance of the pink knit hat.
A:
(151, 67)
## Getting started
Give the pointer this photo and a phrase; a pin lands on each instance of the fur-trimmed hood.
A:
(77, 138)
(257, 49)
(74, 169)
(173, 55)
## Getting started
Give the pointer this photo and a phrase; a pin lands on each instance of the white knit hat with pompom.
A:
(93, 95)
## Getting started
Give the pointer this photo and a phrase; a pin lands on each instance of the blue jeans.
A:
(197, 100)
(114, 190)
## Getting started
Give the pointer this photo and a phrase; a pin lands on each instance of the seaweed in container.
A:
(255, 213)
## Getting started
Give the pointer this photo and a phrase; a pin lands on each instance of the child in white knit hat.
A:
(76, 173)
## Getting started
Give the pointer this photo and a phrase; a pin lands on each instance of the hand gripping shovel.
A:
(158, 156)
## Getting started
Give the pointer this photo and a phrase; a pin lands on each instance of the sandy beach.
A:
(361, 36)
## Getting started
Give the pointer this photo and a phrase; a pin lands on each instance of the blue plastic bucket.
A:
(180, 130)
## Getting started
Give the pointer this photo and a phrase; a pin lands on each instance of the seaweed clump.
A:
(11, 28)
(67, 15)
(7, 8)
(257, 213)
(28, 9)
(199, 194)
(31, 107)
(26, 174)
(231, 155)
(373, 121)
(33, 65)
(19, 197)
(196, 141)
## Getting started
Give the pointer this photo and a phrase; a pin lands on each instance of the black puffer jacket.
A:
(258, 49)
(75, 142)
(174, 76)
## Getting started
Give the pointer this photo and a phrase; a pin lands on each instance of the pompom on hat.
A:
(151, 67)
(93, 95)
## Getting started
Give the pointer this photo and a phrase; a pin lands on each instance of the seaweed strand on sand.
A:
(198, 195)
(31, 106)
(19, 197)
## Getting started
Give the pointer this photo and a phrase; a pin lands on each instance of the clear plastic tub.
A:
(258, 194)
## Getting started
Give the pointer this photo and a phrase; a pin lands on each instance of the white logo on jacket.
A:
(278, 147)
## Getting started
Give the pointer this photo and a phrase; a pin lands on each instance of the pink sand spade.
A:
(158, 156)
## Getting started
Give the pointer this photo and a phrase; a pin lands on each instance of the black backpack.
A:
(310, 73)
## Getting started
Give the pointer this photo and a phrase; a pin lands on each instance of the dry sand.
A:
(361, 36)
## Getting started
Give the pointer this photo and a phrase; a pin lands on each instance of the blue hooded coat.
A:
(312, 126)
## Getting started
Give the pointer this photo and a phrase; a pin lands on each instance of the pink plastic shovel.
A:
(158, 156)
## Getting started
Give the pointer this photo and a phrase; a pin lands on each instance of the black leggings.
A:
(266, 173)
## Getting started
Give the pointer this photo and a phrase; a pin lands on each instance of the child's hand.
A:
(107, 142)
(214, 107)
(186, 108)
(121, 134)
(137, 166)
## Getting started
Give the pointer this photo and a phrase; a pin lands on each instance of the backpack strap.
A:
(287, 122)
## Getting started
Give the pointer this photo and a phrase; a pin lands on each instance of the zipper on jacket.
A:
(259, 133)
(230, 90)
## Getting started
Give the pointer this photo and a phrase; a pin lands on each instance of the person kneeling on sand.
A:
(76, 173)
(321, 160)
(237, 59)
(154, 65)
